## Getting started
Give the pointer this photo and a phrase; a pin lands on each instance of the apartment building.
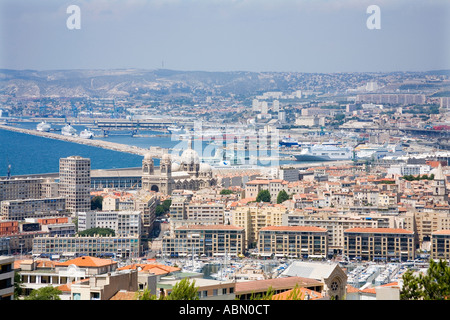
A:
(30, 208)
(18, 188)
(123, 247)
(8, 227)
(288, 241)
(253, 187)
(440, 245)
(178, 208)
(124, 223)
(105, 286)
(206, 212)
(337, 223)
(36, 274)
(210, 240)
(254, 216)
(6, 277)
(146, 204)
(379, 244)
(425, 223)
(75, 183)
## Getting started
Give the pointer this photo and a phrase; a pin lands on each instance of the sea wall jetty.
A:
(156, 152)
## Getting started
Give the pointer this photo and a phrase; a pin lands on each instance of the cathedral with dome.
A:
(188, 173)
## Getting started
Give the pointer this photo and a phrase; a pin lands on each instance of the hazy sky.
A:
(226, 35)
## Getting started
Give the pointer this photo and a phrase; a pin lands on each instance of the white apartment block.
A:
(124, 223)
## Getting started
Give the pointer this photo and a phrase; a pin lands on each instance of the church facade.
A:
(188, 174)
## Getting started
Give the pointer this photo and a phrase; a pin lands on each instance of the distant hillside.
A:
(116, 83)
(136, 83)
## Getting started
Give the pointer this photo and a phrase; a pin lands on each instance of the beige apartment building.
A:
(336, 224)
(255, 216)
(210, 240)
(206, 211)
(425, 223)
(440, 245)
(75, 183)
(301, 241)
(274, 186)
(379, 244)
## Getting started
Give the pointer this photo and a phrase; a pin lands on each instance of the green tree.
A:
(97, 231)
(45, 293)
(182, 290)
(434, 285)
(145, 295)
(97, 203)
(18, 290)
(263, 195)
(282, 196)
(163, 208)
(226, 191)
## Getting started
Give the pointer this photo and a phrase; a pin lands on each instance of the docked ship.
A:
(43, 127)
(288, 142)
(324, 153)
(86, 134)
(68, 130)
(174, 129)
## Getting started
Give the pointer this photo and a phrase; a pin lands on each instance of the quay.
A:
(156, 152)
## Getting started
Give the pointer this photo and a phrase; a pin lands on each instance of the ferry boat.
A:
(68, 130)
(43, 127)
(86, 134)
(324, 153)
(174, 129)
(288, 142)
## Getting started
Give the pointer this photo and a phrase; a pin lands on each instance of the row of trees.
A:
(410, 177)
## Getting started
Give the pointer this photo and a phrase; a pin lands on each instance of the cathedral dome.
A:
(175, 166)
(190, 156)
(205, 167)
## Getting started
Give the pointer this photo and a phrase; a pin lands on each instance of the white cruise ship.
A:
(86, 134)
(43, 127)
(324, 153)
(68, 130)
(174, 129)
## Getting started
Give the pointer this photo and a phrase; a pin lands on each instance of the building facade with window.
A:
(122, 247)
(379, 244)
(299, 241)
(210, 240)
(440, 245)
(6, 277)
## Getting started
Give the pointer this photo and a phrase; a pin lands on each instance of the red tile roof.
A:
(158, 269)
(301, 293)
(87, 261)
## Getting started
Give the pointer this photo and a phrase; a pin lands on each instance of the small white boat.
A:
(43, 127)
(86, 134)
